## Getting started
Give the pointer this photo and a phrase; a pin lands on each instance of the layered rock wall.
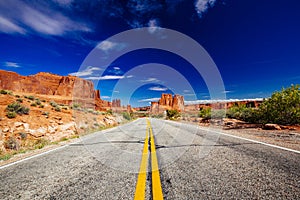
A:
(75, 88)
(167, 101)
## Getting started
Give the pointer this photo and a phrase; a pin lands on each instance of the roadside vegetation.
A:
(173, 114)
(283, 108)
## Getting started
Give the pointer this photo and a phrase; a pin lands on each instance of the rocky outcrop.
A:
(48, 84)
(51, 84)
(167, 101)
(116, 103)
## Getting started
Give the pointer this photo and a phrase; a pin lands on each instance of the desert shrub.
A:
(11, 115)
(173, 114)
(45, 113)
(6, 92)
(41, 106)
(40, 143)
(75, 105)
(17, 108)
(17, 96)
(109, 112)
(205, 113)
(12, 144)
(57, 109)
(23, 135)
(38, 102)
(53, 104)
(19, 100)
(126, 116)
(282, 107)
(43, 100)
(31, 97)
(33, 104)
(244, 113)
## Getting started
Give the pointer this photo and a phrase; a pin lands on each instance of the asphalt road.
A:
(193, 164)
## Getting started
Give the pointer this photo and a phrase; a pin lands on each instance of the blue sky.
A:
(255, 44)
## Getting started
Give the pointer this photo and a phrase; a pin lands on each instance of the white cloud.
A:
(219, 101)
(108, 45)
(129, 76)
(86, 72)
(64, 3)
(11, 64)
(150, 80)
(153, 25)
(117, 68)
(8, 26)
(105, 97)
(226, 91)
(37, 17)
(150, 99)
(160, 89)
(106, 77)
(202, 6)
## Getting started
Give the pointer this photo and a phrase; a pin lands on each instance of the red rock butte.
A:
(167, 101)
(69, 88)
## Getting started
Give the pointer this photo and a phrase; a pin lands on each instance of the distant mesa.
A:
(68, 88)
(166, 102)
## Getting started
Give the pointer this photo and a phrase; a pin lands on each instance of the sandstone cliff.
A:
(52, 84)
(167, 101)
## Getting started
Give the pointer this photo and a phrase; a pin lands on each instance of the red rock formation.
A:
(51, 84)
(167, 101)
(116, 103)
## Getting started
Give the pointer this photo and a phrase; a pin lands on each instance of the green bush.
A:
(126, 116)
(6, 92)
(38, 102)
(57, 108)
(19, 100)
(53, 104)
(30, 97)
(12, 144)
(17, 108)
(33, 104)
(11, 115)
(282, 108)
(205, 113)
(173, 114)
(244, 113)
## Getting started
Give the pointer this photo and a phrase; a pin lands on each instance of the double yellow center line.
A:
(141, 182)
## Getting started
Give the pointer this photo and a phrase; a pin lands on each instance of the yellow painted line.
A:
(141, 182)
(156, 184)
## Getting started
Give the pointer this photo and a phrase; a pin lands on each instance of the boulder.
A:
(271, 127)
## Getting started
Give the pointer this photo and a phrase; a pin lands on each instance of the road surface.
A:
(193, 164)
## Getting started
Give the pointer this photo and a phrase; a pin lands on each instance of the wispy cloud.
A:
(227, 91)
(109, 45)
(12, 64)
(86, 72)
(105, 97)
(159, 89)
(129, 76)
(106, 77)
(202, 6)
(153, 25)
(148, 80)
(150, 99)
(10, 27)
(37, 18)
